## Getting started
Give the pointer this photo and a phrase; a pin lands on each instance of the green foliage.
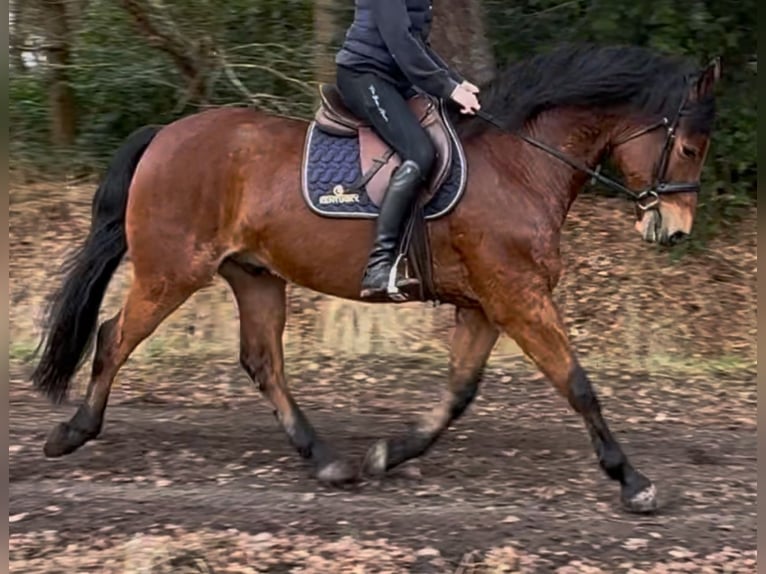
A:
(121, 81)
(28, 118)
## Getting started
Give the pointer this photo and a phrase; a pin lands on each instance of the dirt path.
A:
(197, 477)
(202, 481)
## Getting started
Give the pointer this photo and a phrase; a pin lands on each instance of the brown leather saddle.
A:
(378, 160)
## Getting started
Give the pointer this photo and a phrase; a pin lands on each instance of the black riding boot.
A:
(397, 205)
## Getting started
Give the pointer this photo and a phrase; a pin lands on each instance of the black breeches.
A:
(380, 103)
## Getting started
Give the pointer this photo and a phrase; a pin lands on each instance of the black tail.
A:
(72, 315)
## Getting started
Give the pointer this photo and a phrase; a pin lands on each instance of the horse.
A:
(232, 192)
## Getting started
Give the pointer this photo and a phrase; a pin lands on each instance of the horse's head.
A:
(663, 162)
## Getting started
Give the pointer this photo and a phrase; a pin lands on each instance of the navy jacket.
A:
(390, 38)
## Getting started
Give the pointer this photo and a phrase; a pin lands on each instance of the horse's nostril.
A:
(677, 237)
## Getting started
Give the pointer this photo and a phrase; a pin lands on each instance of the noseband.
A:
(646, 199)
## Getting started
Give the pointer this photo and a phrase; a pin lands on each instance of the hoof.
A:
(376, 461)
(642, 502)
(336, 473)
(64, 439)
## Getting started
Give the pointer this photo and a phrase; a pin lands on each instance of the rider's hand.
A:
(466, 99)
(470, 87)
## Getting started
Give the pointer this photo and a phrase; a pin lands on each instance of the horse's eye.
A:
(688, 151)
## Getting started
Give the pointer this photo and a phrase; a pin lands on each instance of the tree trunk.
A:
(16, 36)
(324, 36)
(459, 36)
(60, 94)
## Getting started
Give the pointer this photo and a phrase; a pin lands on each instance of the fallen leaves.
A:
(519, 449)
(635, 544)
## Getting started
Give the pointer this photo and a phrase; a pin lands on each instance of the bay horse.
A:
(219, 192)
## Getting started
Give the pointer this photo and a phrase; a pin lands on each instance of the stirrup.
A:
(392, 289)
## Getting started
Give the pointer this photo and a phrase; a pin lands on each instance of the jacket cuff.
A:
(450, 86)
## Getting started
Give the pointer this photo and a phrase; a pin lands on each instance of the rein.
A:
(653, 192)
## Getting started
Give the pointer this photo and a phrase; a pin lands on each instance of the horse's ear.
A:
(708, 78)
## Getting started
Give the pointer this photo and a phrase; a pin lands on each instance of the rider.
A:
(386, 54)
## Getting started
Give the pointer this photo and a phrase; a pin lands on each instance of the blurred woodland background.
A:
(85, 73)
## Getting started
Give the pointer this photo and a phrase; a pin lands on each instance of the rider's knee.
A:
(424, 155)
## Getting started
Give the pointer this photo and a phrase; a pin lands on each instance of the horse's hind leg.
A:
(472, 344)
(149, 301)
(262, 308)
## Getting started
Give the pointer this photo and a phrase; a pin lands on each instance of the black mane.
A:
(591, 76)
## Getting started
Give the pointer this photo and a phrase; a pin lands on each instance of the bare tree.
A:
(459, 35)
(58, 55)
(193, 59)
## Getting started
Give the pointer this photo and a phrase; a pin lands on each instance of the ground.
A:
(192, 473)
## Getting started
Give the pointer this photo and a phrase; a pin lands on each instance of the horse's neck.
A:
(581, 135)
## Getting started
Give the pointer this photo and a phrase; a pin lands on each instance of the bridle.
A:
(646, 199)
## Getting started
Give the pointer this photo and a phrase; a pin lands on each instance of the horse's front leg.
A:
(472, 344)
(531, 318)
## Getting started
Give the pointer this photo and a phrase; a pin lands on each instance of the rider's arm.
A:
(393, 23)
(454, 74)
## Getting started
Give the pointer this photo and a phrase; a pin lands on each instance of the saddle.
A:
(378, 159)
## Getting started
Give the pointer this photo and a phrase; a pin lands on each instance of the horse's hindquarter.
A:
(185, 198)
